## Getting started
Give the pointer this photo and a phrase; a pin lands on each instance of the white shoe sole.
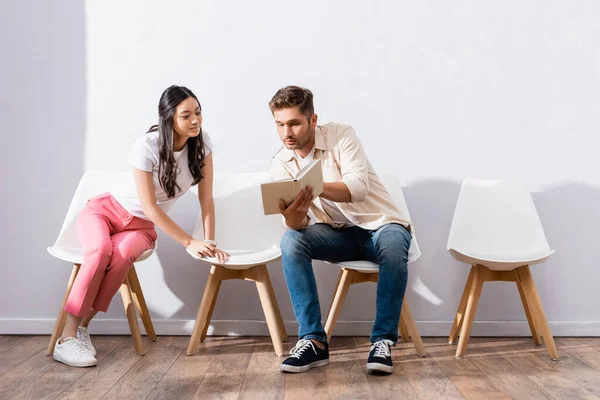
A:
(304, 368)
(80, 364)
(380, 368)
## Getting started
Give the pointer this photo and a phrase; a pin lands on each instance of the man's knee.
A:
(292, 242)
(394, 243)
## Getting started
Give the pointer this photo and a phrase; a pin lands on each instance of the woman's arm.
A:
(205, 196)
(207, 204)
(146, 191)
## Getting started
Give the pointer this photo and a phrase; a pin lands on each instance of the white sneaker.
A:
(84, 337)
(73, 353)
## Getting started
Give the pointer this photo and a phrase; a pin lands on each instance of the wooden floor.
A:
(247, 368)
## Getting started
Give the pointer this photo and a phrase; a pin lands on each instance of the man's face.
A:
(295, 130)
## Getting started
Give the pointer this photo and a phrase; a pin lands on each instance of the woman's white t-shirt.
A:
(144, 155)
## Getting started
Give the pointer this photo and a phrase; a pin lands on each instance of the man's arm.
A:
(336, 191)
(354, 185)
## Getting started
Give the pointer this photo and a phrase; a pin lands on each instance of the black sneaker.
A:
(305, 355)
(380, 357)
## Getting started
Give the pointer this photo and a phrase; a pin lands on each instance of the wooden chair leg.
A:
(534, 332)
(337, 284)
(537, 311)
(211, 290)
(407, 318)
(140, 302)
(471, 309)
(132, 318)
(346, 276)
(213, 301)
(462, 306)
(61, 320)
(268, 302)
(280, 324)
(403, 330)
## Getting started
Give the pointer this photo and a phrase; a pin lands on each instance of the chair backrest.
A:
(497, 219)
(92, 183)
(392, 184)
(240, 220)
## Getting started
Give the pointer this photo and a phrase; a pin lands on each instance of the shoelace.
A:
(77, 347)
(301, 347)
(85, 338)
(382, 348)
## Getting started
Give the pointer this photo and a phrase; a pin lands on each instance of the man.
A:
(356, 219)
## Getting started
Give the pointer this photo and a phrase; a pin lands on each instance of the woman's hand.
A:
(220, 255)
(204, 249)
(201, 248)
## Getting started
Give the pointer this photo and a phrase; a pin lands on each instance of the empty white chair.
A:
(252, 239)
(496, 229)
(365, 271)
(68, 248)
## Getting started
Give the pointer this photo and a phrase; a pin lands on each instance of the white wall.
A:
(437, 91)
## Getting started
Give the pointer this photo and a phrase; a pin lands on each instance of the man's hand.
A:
(295, 213)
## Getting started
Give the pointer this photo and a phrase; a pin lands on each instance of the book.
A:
(287, 189)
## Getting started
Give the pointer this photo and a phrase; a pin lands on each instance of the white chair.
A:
(252, 239)
(496, 229)
(365, 271)
(68, 248)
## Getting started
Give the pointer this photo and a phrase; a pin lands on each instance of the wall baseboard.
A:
(259, 328)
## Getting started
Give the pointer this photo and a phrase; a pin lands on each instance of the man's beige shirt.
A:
(343, 159)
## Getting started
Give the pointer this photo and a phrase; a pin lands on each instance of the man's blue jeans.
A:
(386, 246)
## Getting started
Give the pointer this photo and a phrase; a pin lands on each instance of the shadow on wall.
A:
(43, 112)
(568, 212)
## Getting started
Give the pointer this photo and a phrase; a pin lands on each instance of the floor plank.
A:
(9, 341)
(477, 387)
(225, 375)
(593, 342)
(183, 378)
(444, 356)
(263, 378)
(96, 382)
(21, 352)
(388, 386)
(346, 373)
(523, 357)
(56, 380)
(141, 379)
(247, 368)
(588, 355)
(25, 374)
(507, 378)
(576, 371)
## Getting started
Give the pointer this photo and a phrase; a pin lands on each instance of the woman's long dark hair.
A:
(167, 164)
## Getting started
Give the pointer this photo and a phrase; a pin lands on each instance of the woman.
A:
(116, 227)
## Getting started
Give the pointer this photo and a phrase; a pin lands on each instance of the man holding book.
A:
(355, 219)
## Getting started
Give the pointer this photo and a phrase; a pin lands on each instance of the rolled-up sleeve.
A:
(353, 165)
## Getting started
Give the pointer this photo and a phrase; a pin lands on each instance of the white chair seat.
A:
(74, 255)
(360, 266)
(243, 259)
(501, 262)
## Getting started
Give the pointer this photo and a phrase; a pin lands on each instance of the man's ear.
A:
(313, 120)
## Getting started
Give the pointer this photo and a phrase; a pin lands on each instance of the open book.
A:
(288, 189)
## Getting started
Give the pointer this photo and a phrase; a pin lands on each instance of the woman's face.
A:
(187, 119)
